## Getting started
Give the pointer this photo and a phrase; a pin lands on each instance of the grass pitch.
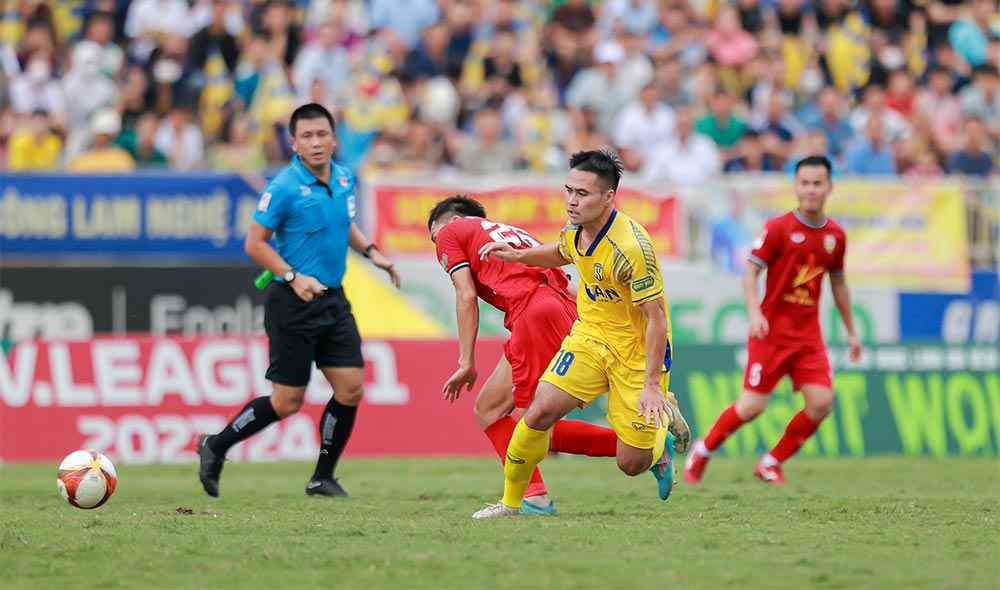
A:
(883, 522)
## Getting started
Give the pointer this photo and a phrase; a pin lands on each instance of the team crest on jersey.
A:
(798, 237)
(444, 261)
(265, 200)
(342, 180)
(829, 243)
(598, 271)
(305, 190)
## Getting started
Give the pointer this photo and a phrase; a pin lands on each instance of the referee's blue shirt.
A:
(311, 221)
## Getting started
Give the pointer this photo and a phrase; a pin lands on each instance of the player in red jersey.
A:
(797, 249)
(538, 310)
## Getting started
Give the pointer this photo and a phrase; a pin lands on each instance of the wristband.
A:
(368, 251)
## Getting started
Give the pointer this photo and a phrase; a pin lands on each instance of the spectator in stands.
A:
(642, 124)
(214, 39)
(729, 45)
(601, 88)
(180, 140)
(408, 19)
(103, 155)
(687, 159)
(148, 21)
(721, 125)
(941, 106)
(969, 36)
(138, 140)
(285, 36)
(871, 155)
(750, 155)
(542, 129)
(235, 151)
(584, 135)
(730, 237)
(433, 56)
(488, 152)
(91, 90)
(33, 147)
(831, 122)
(37, 89)
(323, 59)
(99, 27)
(975, 157)
(926, 166)
(893, 124)
(981, 98)
(900, 93)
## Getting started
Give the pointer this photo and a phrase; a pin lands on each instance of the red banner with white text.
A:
(401, 213)
(146, 400)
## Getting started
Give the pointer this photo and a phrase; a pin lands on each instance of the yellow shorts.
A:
(586, 369)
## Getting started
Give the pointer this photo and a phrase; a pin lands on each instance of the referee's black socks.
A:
(335, 429)
(254, 417)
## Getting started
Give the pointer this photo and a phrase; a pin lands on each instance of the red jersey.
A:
(506, 286)
(796, 254)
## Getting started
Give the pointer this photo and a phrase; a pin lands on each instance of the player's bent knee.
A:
(350, 396)
(633, 465)
(286, 407)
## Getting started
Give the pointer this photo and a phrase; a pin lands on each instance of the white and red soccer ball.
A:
(87, 479)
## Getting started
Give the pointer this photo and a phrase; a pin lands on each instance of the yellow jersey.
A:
(619, 271)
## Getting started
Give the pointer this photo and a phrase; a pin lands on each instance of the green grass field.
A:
(884, 522)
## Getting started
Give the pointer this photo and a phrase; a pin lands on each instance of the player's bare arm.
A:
(546, 255)
(258, 246)
(842, 299)
(751, 294)
(652, 402)
(357, 240)
(467, 314)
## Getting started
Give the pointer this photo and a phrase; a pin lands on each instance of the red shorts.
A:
(535, 337)
(768, 362)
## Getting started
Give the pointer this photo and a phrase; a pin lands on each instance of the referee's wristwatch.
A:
(289, 276)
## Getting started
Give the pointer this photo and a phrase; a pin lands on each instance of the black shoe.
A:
(210, 468)
(325, 487)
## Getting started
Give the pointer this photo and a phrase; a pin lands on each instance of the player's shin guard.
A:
(798, 431)
(727, 423)
(526, 450)
(578, 437)
(499, 434)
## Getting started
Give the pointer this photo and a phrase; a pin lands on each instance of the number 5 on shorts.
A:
(562, 362)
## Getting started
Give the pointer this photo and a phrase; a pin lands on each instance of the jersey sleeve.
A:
(450, 253)
(765, 247)
(272, 207)
(643, 268)
(837, 266)
(566, 237)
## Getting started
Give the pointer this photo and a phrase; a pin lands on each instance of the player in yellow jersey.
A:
(620, 344)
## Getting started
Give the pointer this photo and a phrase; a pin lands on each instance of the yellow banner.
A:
(902, 234)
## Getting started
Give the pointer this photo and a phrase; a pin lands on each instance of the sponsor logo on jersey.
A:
(514, 460)
(265, 200)
(305, 190)
(639, 426)
(598, 271)
(342, 180)
(643, 284)
(798, 237)
(806, 274)
(444, 261)
(596, 293)
(829, 243)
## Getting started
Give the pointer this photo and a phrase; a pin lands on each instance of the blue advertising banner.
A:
(136, 215)
(953, 318)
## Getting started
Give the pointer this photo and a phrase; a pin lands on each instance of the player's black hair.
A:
(815, 161)
(461, 205)
(310, 111)
(605, 163)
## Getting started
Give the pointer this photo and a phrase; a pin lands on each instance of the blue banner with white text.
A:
(129, 216)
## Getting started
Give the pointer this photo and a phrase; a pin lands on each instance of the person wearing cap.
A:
(103, 155)
(600, 87)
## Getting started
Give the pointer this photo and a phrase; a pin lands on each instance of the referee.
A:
(309, 209)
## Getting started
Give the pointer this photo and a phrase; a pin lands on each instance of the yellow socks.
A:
(526, 450)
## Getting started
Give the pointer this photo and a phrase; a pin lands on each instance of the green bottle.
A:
(263, 279)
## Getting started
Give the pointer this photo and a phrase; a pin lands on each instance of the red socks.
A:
(499, 434)
(727, 423)
(578, 437)
(799, 429)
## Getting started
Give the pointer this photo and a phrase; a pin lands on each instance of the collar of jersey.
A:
(600, 234)
(808, 223)
(304, 173)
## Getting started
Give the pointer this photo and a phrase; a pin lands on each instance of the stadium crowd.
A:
(684, 89)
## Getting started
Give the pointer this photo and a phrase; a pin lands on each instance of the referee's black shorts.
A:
(322, 330)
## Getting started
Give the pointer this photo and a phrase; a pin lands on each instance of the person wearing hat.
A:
(103, 155)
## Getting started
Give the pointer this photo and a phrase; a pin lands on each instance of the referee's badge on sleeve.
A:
(265, 200)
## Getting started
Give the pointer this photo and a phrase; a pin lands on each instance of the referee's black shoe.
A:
(325, 487)
(210, 468)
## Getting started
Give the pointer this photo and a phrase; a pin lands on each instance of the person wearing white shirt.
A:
(685, 160)
(147, 20)
(641, 125)
(180, 140)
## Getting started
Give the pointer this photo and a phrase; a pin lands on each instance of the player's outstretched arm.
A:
(842, 299)
(546, 255)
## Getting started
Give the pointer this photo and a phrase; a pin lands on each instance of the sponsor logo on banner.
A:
(146, 399)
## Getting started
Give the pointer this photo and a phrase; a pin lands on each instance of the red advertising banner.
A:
(401, 226)
(146, 400)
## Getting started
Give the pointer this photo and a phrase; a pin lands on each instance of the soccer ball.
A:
(86, 479)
